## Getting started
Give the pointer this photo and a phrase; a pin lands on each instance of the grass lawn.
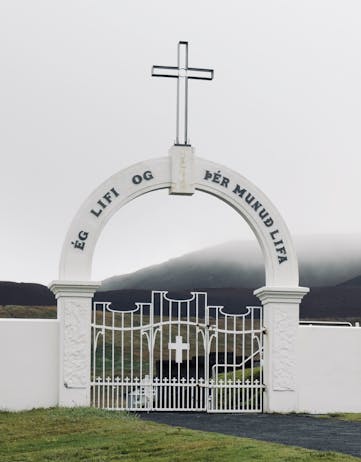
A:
(91, 435)
(351, 417)
(27, 312)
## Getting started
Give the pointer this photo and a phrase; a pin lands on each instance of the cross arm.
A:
(194, 73)
(159, 71)
(200, 74)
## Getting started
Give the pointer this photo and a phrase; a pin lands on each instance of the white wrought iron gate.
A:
(180, 355)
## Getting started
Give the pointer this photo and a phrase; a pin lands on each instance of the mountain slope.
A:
(354, 282)
(331, 266)
(323, 261)
(25, 293)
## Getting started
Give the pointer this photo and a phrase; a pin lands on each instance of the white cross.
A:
(178, 346)
(182, 72)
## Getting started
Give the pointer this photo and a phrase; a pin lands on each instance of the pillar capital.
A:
(78, 289)
(282, 295)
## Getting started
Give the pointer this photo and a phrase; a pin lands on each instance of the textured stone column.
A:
(74, 301)
(281, 320)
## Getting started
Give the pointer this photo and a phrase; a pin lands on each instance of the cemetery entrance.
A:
(177, 355)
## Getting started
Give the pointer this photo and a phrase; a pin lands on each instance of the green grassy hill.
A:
(89, 435)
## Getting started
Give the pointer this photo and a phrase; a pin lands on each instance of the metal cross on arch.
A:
(182, 72)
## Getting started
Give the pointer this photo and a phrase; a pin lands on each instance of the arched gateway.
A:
(181, 172)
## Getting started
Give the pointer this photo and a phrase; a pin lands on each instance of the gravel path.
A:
(296, 430)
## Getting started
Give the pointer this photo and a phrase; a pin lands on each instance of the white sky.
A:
(77, 104)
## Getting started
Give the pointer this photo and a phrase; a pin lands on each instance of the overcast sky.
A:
(77, 104)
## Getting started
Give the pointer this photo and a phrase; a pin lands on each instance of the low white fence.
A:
(29, 363)
(329, 369)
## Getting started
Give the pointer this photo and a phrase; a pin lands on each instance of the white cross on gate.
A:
(178, 346)
(182, 72)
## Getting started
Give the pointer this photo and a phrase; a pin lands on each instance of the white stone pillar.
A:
(281, 320)
(74, 301)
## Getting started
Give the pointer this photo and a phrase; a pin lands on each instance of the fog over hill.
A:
(324, 261)
(331, 266)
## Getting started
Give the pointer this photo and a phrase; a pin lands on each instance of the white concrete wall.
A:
(328, 366)
(329, 369)
(29, 363)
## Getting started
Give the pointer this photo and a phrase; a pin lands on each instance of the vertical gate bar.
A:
(234, 359)
(195, 376)
(131, 346)
(160, 389)
(165, 393)
(178, 393)
(197, 333)
(197, 395)
(247, 395)
(98, 389)
(117, 392)
(191, 394)
(128, 402)
(206, 355)
(103, 387)
(238, 395)
(256, 399)
(151, 348)
(164, 382)
(155, 393)
(119, 357)
(179, 307)
(108, 391)
(216, 358)
(221, 395)
(170, 305)
(174, 403)
(169, 393)
(94, 351)
(122, 359)
(217, 344)
(252, 351)
(183, 404)
(229, 395)
(188, 351)
(113, 341)
(225, 359)
(261, 357)
(250, 386)
(92, 357)
(141, 341)
(243, 358)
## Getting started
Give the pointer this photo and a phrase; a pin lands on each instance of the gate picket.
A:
(177, 355)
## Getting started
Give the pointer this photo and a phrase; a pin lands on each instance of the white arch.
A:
(261, 215)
